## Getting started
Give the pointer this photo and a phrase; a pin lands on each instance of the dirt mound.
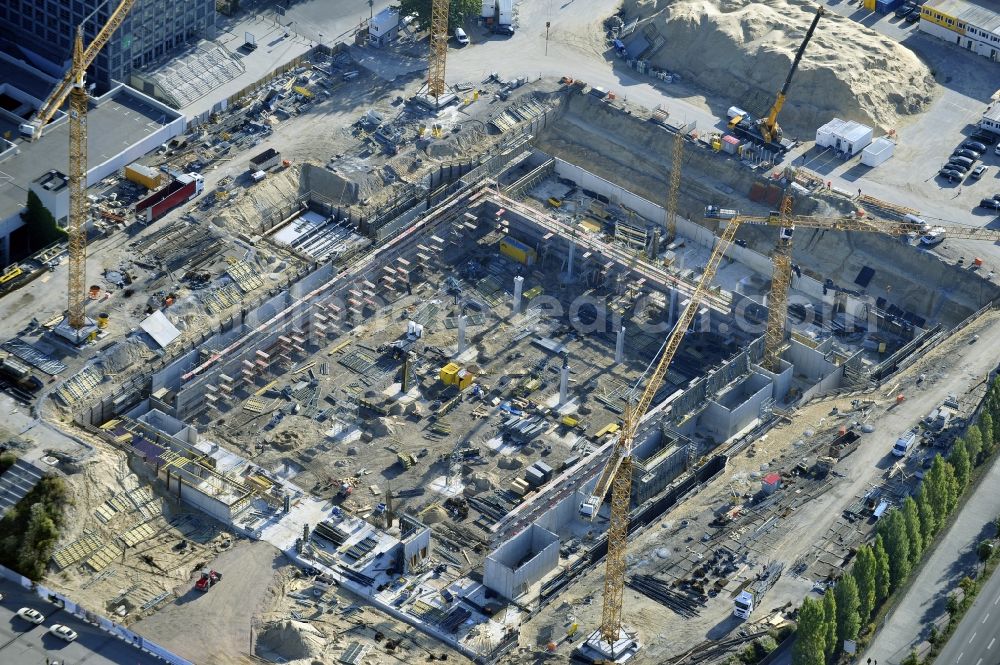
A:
(742, 50)
(291, 640)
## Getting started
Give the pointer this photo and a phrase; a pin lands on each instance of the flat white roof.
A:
(158, 326)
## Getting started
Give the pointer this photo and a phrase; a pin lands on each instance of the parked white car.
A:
(63, 632)
(31, 615)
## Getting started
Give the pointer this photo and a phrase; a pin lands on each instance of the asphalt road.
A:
(953, 558)
(22, 643)
(975, 641)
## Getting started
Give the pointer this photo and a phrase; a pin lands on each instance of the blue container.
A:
(886, 6)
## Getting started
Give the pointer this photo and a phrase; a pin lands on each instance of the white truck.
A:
(752, 594)
(505, 17)
(904, 443)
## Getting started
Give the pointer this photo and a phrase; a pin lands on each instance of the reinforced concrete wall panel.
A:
(749, 410)
(195, 497)
(170, 376)
(418, 546)
(587, 180)
(828, 383)
(808, 362)
(782, 380)
(312, 281)
(752, 259)
(522, 561)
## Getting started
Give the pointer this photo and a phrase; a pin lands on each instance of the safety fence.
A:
(105, 624)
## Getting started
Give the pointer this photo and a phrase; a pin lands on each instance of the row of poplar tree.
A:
(903, 536)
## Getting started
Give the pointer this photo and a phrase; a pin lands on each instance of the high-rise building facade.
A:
(152, 29)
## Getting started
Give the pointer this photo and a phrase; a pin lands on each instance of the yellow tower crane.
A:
(439, 49)
(675, 180)
(72, 86)
(777, 301)
(610, 641)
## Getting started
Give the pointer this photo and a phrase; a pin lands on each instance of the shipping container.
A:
(534, 477)
(518, 251)
(148, 177)
(158, 204)
(886, 6)
(544, 469)
(730, 144)
(878, 151)
(265, 160)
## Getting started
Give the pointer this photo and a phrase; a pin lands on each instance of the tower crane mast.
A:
(777, 301)
(617, 474)
(439, 49)
(72, 86)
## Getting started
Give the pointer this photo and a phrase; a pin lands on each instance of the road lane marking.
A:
(997, 600)
(973, 637)
(986, 617)
(960, 656)
(991, 643)
(979, 662)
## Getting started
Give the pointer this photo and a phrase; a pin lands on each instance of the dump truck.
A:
(179, 191)
(753, 593)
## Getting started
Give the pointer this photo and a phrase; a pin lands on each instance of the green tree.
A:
(985, 549)
(43, 228)
(968, 587)
(882, 573)
(863, 571)
(848, 604)
(936, 490)
(911, 520)
(986, 427)
(810, 638)
(897, 546)
(830, 619)
(974, 444)
(959, 460)
(457, 12)
(928, 528)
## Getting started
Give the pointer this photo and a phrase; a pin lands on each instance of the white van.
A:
(461, 37)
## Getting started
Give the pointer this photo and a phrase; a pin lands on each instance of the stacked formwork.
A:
(310, 311)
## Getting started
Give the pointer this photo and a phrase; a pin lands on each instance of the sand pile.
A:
(742, 50)
(291, 640)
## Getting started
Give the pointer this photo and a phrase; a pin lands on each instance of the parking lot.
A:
(22, 643)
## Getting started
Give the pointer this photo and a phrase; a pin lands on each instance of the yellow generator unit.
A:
(449, 374)
(453, 375)
(518, 251)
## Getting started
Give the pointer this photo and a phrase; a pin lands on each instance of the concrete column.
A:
(461, 333)
(518, 290)
(564, 383)
(569, 262)
(620, 345)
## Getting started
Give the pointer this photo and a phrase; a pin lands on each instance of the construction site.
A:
(393, 369)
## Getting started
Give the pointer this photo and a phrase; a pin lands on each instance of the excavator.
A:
(766, 131)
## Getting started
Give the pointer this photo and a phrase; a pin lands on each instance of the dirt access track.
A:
(213, 628)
